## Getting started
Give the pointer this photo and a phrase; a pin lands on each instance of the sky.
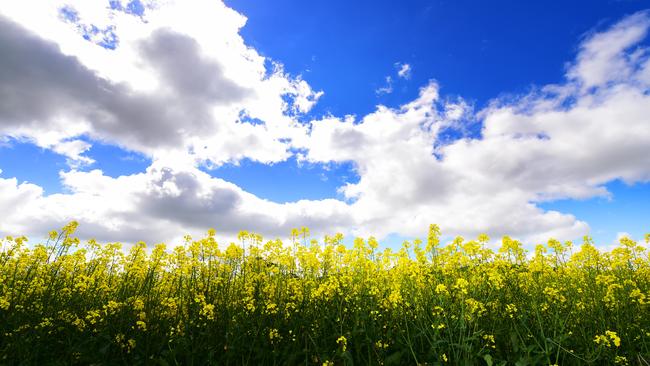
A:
(149, 120)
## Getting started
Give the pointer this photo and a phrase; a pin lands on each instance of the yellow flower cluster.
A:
(608, 339)
(274, 335)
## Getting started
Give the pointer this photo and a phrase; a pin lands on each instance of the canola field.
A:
(309, 302)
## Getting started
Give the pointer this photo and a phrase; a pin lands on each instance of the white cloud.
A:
(161, 204)
(74, 150)
(403, 70)
(403, 187)
(386, 89)
(169, 84)
(174, 91)
(605, 57)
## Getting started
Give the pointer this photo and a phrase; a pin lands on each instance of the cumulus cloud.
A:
(160, 204)
(403, 186)
(178, 77)
(60, 98)
(162, 84)
(565, 141)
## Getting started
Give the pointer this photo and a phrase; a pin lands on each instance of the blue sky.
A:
(472, 49)
(470, 74)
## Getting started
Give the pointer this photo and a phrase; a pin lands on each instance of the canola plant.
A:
(321, 303)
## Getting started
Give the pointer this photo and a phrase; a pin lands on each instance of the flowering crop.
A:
(321, 303)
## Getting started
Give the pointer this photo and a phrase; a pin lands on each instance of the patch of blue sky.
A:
(114, 161)
(29, 163)
(104, 37)
(134, 7)
(465, 129)
(395, 241)
(69, 14)
(628, 210)
(288, 181)
(44, 164)
(392, 241)
(245, 118)
(347, 48)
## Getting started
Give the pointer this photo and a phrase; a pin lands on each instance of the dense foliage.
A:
(315, 303)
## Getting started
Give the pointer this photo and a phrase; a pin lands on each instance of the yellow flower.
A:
(608, 338)
(461, 286)
(440, 326)
(53, 235)
(511, 309)
(621, 360)
(490, 340)
(141, 325)
(614, 337)
(138, 304)
(343, 342)
(131, 345)
(207, 311)
(441, 289)
(381, 345)
(271, 308)
(637, 296)
(79, 323)
(274, 335)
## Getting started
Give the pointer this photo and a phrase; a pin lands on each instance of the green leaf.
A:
(522, 362)
(347, 358)
(488, 359)
(393, 359)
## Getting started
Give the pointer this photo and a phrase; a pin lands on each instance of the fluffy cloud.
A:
(607, 57)
(565, 141)
(179, 78)
(163, 84)
(160, 204)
